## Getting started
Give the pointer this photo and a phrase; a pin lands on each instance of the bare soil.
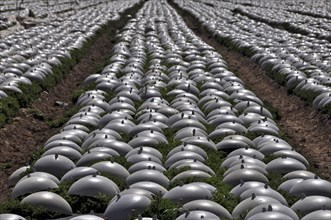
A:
(28, 133)
(308, 130)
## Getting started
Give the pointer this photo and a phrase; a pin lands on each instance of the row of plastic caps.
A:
(53, 162)
(31, 55)
(318, 8)
(157, 176)
(317, 27)
(299, 155)
(192, 195)
(245, 166)
(157, 110)
(144, 149)
(305, 67)
(40, 9)
(5, 23)
(288, 161)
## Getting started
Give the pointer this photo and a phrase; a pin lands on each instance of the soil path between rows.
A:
(308, 130)
(28, 133)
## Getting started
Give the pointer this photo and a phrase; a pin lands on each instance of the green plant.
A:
(35, 156)
(221, 195)
(85, 204)
(327, 110)
(209, 127)
(82, 204)
(109, 96)
(164, 209)
(32, 212)
(164, 148)
(6, 165)
(251, 135)
(171, 173)
(269, 158)
(274, 111)
(36, 113)
(8, 109)
(163, 92)
(10, 106)
(275, 179)
(60, 121)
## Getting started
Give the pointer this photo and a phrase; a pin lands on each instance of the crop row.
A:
(300, 62)
(35, 59)
(168, 133)
(42, 9)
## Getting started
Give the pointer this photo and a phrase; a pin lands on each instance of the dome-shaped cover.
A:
(145, 165)
(150, 186)
(264, 191)
(148, 175)
(31, 185)
(250, 203)
(285, 165)
(310, 187)
(270, 216)
(56, 165)
(319, 214)
(299, 174)
(77, 173)
(91, 158)
(50, 201)
(273, 207)
(15, 177)
(312, 203)
(123, 206)
(245, 174)
(111, 168)
(86, 217)
(187, 193)
(41, 174)
(7, 216)
(137, 191)
(243, 186)
(94, 185)
(198, 214)
(189, 174)
(209, 206)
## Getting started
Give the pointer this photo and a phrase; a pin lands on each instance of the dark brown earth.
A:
(308, 130)
(27, 134)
